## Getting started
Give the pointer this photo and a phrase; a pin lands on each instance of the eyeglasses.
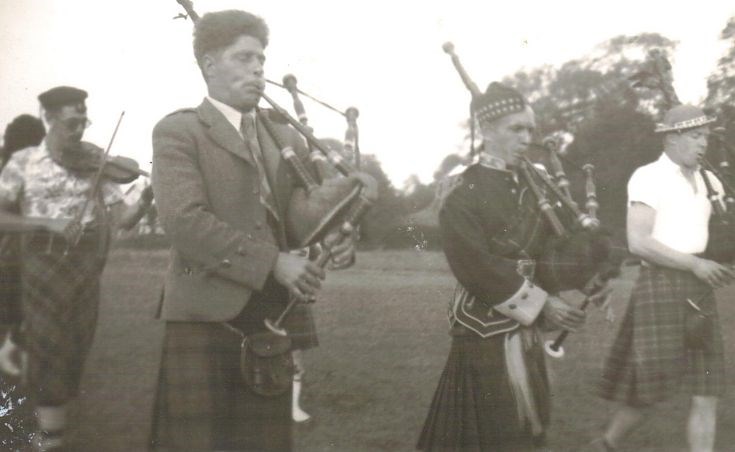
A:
(76, 123)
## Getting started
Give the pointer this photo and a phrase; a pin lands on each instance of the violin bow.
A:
(73, 231)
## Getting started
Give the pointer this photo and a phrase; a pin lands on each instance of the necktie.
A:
(247, 128)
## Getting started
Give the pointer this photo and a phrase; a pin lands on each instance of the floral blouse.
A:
(45, 189)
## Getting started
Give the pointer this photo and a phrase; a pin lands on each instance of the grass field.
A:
(383, 336)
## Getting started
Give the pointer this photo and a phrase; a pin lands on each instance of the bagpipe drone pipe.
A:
(721, 240)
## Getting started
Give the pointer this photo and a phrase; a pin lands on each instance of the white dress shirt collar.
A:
(232, 115)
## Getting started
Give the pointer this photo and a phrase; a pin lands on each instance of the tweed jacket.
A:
(206, 188)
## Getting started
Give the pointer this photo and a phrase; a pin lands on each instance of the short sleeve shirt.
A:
(682, 209)
(44, 189)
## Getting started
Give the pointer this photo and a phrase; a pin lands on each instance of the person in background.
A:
(24, 131)
(667, 226)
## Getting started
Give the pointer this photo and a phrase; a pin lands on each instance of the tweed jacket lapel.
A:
(222, 131)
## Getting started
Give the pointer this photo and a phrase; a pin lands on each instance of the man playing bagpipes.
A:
(670, 340)
(494, 393)
(226, 196)
(56, 187)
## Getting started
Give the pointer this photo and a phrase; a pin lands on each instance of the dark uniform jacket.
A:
(206, 187)
(491, 233)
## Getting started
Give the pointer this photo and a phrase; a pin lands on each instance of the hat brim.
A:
(685, 125)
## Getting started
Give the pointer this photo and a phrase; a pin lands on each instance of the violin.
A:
(86, 158)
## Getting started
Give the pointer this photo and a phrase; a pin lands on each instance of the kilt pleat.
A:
(473, 408)
(301, 327)
(10, 281)
(60, 304)
(202, 402)
(649, 361)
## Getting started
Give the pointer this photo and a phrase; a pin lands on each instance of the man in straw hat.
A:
(222, 190)
(60, 279)
(653, 357)
(494, 393)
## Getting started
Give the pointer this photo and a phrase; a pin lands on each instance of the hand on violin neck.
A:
(127, 216)
(146, 196)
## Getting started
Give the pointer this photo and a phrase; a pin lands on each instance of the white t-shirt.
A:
(682, 212)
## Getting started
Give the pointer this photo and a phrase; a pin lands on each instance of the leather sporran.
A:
(266, 363)
(698, 327)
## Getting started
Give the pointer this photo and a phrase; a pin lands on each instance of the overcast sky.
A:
(384, 57)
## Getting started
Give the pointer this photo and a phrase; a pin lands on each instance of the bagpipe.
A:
(322, 205)
(656, 74)
(579, 255)
(721, 241)
(324, 210)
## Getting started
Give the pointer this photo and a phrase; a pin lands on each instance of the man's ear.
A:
(208, 61)
(485, 131)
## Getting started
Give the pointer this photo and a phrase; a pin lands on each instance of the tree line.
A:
(593, 104)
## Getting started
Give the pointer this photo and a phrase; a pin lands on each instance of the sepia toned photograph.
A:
(249, 225)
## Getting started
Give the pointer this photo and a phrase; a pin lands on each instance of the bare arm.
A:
(641, 219)
(126, 216)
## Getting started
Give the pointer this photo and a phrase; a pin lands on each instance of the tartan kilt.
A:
(10, 281)
(61, 296)
(473, 408)
(301, 327)
(202, 402)
(649, 361)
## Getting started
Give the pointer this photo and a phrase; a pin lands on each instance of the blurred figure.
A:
(24, 131)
